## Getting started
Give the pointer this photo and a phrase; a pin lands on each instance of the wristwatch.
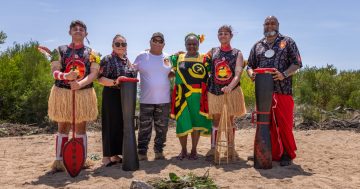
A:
(285, 74)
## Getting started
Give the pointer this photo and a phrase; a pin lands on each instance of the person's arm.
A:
(238, 72)
(173, 62)
(136, 65)
(277, 75)
(295, 60)
(108, 82)
(103, 72)
(252, 63)
(76, 85)
(57, 74)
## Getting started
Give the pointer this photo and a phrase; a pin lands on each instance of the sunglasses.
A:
(118, 44)
(157, 41)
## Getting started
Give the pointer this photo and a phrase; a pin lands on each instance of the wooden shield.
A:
(73, 157)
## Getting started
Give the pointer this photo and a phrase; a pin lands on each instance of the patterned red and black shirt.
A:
(111, 67)
(222, 69)
(69, 55)
(286, 54)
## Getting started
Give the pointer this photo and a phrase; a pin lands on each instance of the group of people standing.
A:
(202, 84)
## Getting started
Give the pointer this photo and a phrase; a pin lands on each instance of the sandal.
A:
(108, 163)
(116, 159)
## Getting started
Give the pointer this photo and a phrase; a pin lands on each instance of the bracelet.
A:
(59, 75)
(285, 75)
(114, 82)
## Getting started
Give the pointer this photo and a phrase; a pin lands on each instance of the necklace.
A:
(270, 53)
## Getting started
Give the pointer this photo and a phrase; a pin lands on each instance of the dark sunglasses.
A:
(118, 44)
(157, 41)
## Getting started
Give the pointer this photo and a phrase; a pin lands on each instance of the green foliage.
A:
(3, 36)
(323, 89)
(354, 100)
(54, 55)
(98, 89)
(310, 113)
(25, 84)
(248, 88)
(189, 180)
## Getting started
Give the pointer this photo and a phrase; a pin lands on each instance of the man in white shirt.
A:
(154, 68)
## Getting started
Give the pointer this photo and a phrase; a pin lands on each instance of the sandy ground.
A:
(326, 159)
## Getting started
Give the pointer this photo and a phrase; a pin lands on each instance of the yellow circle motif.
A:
(197, 70)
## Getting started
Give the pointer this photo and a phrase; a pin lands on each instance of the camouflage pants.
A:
(159, 115)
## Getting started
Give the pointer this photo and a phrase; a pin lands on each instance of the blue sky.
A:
(326, 32)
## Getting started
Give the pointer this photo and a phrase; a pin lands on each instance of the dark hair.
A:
(227, 28)
(118, 36)
(191, 34)
(78, 23)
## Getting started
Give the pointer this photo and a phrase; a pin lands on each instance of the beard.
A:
(271, 33)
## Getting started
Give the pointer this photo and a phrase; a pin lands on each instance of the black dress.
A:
(112, 67)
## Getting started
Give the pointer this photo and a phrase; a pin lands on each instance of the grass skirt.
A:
(235, 103)
(60, 105)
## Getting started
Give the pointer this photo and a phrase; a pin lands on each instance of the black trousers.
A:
(112, 122)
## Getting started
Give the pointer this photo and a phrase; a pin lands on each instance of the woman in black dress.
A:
(112, 68)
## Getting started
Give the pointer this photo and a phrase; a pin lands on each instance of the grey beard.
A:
(272, 33)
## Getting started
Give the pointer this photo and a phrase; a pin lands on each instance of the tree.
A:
(3, 36)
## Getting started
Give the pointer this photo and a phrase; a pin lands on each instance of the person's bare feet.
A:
(193, 155)
(183, 154)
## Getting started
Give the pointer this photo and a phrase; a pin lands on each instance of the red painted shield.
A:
(73, 157)
(77, 66)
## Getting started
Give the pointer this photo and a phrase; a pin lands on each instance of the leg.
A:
(210, 154)
(80, 131)
(282, 137)
(195, 135)
(161, 120)
(146, 120)
(183, 142)
(216, 120)
(61, 138)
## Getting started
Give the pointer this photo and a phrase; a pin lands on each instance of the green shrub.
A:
(25, 84)
(354, 100)
(248, 88)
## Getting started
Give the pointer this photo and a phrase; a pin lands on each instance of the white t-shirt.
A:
(154, 81)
